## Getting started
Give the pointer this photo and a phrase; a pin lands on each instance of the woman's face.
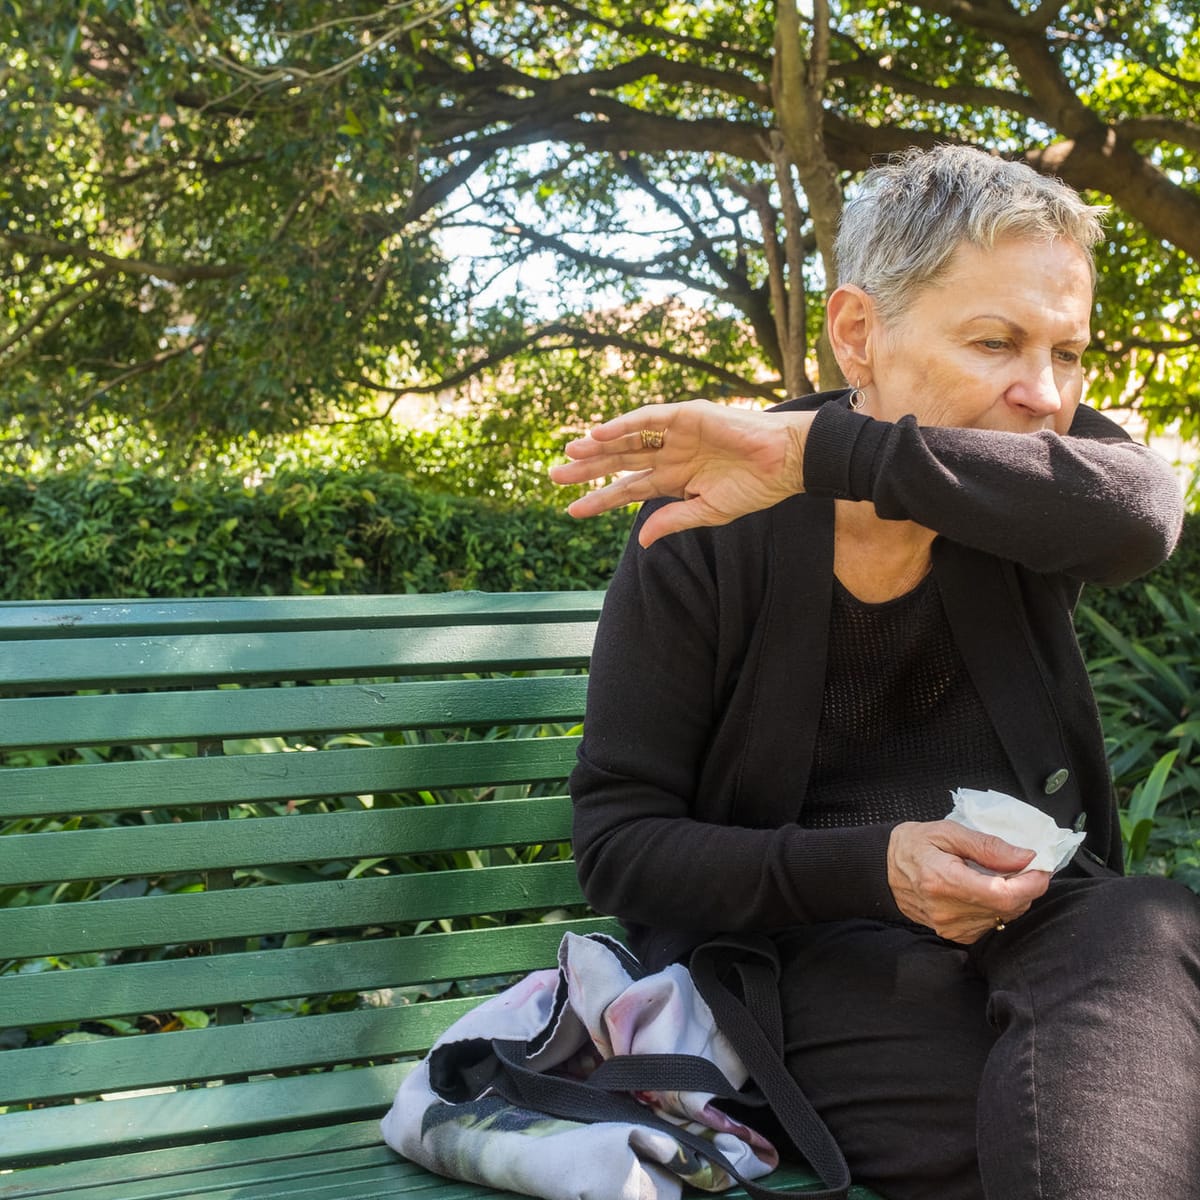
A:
(994, 344)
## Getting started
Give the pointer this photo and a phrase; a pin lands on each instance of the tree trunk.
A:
(798, 88)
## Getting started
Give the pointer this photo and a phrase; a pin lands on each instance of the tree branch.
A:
(1160, 129)
(640, 29)
(1118, 350)
(148, 364)
(995, 17)
(576, 337)
(79, 251)
(864, 67)
(52, 301)
(735, 283)
(775, 346)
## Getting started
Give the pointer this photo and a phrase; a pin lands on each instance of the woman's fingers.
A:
(629, 489)
(720, 462)
(599, 459)
(933, 884)
(674, 518)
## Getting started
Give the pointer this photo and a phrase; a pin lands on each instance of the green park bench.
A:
(235, 906)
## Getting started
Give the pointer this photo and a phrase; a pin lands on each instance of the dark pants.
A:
(1058, 1059)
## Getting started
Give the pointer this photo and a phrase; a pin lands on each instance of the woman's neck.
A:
(877, 560)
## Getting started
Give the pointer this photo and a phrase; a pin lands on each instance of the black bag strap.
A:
(584, 1101)
(753, 1023)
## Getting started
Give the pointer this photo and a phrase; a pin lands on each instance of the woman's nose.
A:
(1037, 388)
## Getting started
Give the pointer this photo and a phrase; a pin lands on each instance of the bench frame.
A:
(347, 812)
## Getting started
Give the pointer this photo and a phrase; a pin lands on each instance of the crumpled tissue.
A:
(1018, 823)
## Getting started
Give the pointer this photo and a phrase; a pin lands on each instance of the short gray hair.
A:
(900, 229)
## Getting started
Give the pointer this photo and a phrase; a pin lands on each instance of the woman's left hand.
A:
(933, 884)
(719, 462)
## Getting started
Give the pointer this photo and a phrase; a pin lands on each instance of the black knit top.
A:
(902, 724)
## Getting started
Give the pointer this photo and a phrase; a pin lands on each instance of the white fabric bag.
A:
(559, 1027)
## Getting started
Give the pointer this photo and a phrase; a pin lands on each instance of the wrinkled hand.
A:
(934, 886)
(720, 462)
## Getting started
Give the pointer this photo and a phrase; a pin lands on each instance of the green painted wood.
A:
(141, 1172)
(186, 659)
(130, 989)
(358, 1171)
(206, 1115)
(59, 619)
(180, 783)
(248, 911)
(119, 1063)
(124, 851)
(139, 718)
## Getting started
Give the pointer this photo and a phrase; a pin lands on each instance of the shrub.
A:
(110, 532)
(1148, 691)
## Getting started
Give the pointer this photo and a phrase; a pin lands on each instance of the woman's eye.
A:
(994, 343)
(1071, 357)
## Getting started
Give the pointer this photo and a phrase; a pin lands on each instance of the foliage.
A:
(1148, 692)
(227, 219)
(190, 248)
(1129, 609)
(113, 532)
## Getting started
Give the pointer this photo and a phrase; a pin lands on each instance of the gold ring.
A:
(652, 439)
(1000, 924)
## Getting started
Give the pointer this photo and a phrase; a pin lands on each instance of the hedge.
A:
(110, 532)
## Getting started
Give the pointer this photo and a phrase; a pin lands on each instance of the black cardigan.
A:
(707, 674)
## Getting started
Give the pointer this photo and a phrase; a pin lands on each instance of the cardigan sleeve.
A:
(1093, 505)
(656, 839)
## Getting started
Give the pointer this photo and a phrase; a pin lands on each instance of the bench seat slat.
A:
(148, 1173)
(244, 778)
(220, 1051)
(327, 654)
(143, 717)
(56, 929)
(129, 989)
(371, 1173)
(64, 619)
(197, 1114)
(125, 851)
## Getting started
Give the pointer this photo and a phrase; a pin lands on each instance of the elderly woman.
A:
(781, 706)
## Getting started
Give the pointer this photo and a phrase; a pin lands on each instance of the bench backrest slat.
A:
(140, 718)
(249, 778)
(146, 850)
(220, 1052)
(258, 976)
(62, 929)
(70, 619)
(191, 659)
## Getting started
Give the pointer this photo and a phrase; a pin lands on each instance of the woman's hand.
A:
(934, 886)
(720, 462)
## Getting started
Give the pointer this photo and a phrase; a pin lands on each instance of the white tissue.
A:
(1018, 823)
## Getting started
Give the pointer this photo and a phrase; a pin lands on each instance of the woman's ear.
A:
(851, 321)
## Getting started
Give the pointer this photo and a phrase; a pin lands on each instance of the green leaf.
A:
(352, 126)
(191, 1018)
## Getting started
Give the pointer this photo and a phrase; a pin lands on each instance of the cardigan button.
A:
(1055, 780)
